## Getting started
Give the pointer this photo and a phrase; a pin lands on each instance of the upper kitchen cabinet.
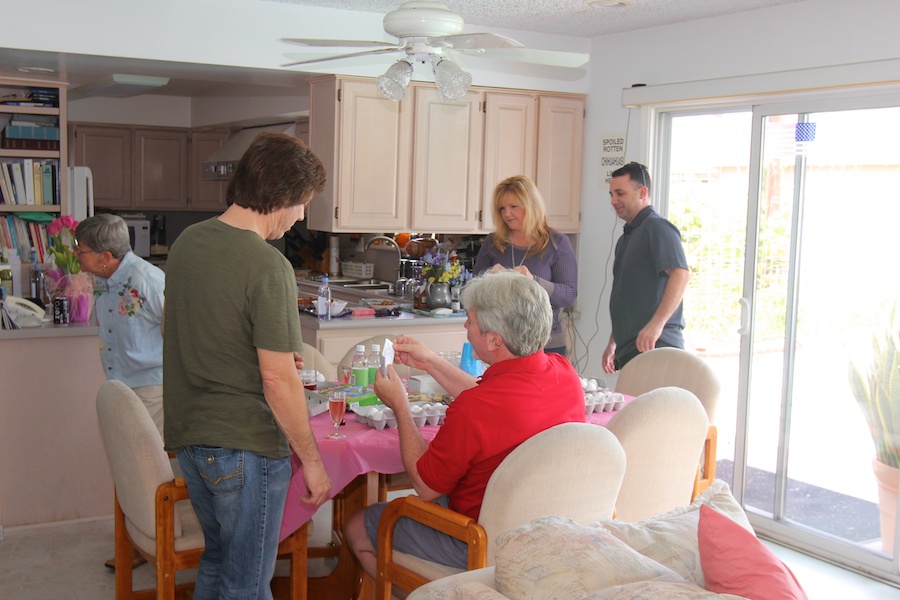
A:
(510, 144)
(559, 159)
(107, 151)
(447, 164)
(160, 169)
(206, 194)
(365, 142)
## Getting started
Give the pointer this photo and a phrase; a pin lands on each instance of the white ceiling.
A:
(567, 17)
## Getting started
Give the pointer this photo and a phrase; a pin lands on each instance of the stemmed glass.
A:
(337, 406)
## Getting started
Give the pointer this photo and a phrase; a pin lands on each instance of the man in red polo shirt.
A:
(523, 392)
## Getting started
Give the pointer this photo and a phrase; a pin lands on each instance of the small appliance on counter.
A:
(139, 235)
(158, 245)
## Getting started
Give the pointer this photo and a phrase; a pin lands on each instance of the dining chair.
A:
(153, 513)
(662, 432)
(572, 470)
(662, 367)
(313, 359)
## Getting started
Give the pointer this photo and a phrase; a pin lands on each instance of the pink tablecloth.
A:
(364, 450)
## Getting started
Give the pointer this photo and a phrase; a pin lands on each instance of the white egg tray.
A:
(379, 417)
(602, 401)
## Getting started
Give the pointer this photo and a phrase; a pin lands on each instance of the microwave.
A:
(139, 236)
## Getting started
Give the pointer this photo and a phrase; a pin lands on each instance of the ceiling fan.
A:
(428, 31)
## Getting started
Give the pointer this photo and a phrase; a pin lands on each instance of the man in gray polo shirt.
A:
(650, 273)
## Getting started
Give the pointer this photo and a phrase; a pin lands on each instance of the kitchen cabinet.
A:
(20, 88)
(458, 152)
(107, 151)
(510, 144)
(447, 162)
(559, 159)
(365, 143)
(206, 194)
(160, 169)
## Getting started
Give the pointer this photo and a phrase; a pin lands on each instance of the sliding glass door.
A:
(815, 259)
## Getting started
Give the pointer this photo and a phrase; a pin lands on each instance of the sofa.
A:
(704, 550)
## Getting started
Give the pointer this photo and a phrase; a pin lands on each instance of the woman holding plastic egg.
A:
(523, 241)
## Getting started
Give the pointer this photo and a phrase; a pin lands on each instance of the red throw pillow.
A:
(734, 561)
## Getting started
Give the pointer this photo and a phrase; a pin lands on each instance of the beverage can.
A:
(60, 310)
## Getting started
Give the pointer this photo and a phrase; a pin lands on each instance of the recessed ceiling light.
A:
(608, 3)
(42, 70)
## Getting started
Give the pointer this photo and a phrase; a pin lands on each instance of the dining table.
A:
(353, 464)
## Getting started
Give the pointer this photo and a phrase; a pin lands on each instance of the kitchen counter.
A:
(335, 337)
(49, 330)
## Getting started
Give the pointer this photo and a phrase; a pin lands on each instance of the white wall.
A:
(805, 35)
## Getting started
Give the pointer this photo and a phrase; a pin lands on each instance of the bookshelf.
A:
(32, 154)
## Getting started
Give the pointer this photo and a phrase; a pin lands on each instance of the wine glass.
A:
(337, 406)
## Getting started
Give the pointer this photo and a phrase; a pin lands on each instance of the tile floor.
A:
(65, 562)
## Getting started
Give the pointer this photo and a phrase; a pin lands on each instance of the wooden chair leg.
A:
(706, 472)
(124, 553)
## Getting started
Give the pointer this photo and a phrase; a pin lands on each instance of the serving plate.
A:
(378, 303)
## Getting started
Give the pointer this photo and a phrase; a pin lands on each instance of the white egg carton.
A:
(597, 398)
(379, 417)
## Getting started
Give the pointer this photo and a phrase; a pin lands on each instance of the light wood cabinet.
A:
(160, 169)
(447, 162)
(206, 194)
(510, 144)
(107, 152)
(365, 142)
(559, 159)
(426, 165)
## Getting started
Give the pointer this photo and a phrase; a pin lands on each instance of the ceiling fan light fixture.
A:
(392, 84)
(452, 82)
(422, 18)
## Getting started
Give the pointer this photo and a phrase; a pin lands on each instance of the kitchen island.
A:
(335, 337)
(52, 463)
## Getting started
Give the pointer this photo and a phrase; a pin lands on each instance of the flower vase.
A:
(437, 295)
(79, 289)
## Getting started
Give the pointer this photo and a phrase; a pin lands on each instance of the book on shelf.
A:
(38, 179)
(28, 179)
(25, 236)
(8, 184)
(30, 132)
(20, 144)
(34, 120)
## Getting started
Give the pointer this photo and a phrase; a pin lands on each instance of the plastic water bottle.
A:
(374, 362)
(359, 367)
(323, 300)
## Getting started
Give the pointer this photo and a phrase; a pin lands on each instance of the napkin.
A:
(387, 356)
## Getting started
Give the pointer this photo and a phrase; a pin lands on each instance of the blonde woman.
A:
(523, 241)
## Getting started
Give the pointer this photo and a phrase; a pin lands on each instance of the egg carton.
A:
(380, 417)
(602, 401)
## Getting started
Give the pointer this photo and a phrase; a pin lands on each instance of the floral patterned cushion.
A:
(553, 557)
(671, 538)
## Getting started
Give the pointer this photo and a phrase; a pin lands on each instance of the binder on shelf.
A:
(18, 182)
(28, 179)
(48, 184)
(20, 144)
(28, 132)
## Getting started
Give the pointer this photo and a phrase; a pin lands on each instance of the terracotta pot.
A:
(887, 478)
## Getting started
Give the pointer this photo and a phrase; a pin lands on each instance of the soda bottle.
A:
(323, 300)
(374, 362)
(359, 367)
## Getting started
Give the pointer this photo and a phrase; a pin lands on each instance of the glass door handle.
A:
(744, 328)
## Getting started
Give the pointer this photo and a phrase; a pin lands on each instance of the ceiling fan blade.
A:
(553, 58)
(336, 43)
(307, 61)
(474, 41)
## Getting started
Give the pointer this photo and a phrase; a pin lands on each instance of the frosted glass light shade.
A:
(452, 82)
(392, 84)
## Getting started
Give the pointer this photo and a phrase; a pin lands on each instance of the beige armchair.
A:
(152, 510)
(572, 470)
(663, 433)
(674, 367)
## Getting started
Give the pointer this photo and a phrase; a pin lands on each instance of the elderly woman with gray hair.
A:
(508, 323)
(128, 299)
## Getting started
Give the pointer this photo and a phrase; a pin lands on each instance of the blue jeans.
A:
(239, 498)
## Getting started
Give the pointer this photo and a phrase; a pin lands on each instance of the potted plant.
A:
(876, 386)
